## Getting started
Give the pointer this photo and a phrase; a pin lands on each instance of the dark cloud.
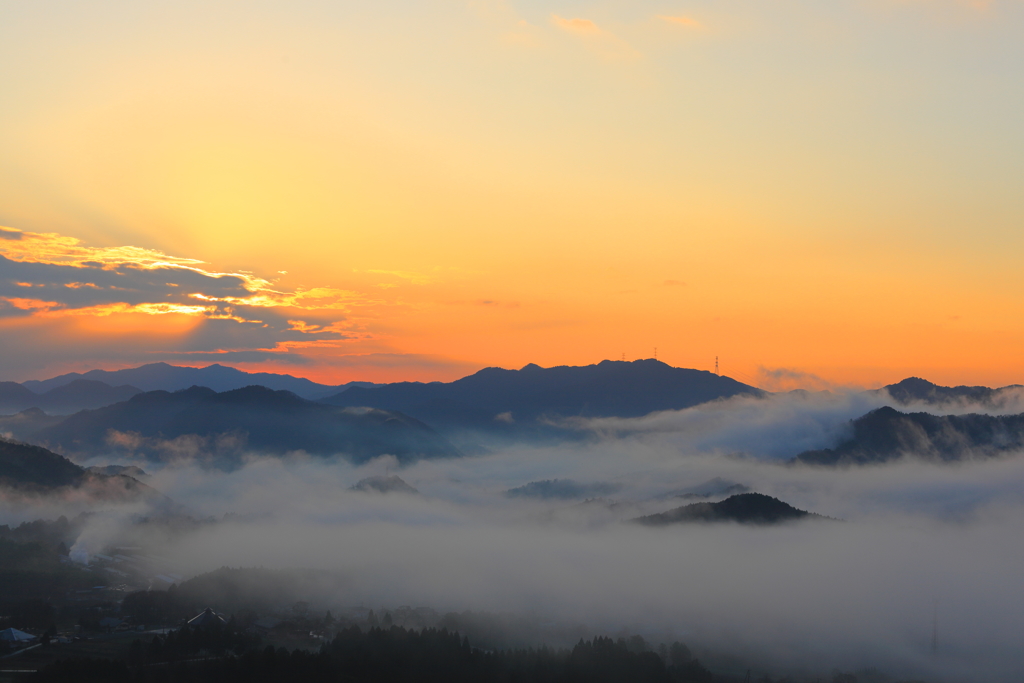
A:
(87, 285)
(63, 304)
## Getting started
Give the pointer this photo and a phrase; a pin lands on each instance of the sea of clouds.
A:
(916, 551)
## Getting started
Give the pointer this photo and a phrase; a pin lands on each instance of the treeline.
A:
(393, 655)
(242, 592)
(34, 570)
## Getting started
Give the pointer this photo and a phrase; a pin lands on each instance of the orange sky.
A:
(817, 193)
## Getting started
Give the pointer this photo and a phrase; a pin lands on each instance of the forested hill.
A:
(514, 401)
(887, 434)
(745, 508)
(228, 424)
(32, 470)
(23, 465)
(917, 390)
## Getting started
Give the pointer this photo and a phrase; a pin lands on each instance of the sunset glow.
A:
(818, 194)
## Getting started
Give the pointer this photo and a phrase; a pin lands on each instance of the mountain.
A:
(528, 401)
(745, 508)
(33, 470)
(24, 465)
(165, 377)
(562, 489)
(384, 484)
(712, 488)
(14, 397)
(131, 470)
(917, 390)
(22, 426)
(79, 394)
(221, 427)
(886, 434)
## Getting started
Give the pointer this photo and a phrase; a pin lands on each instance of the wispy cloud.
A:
(576, 25)
(687, 22)
(601, 41)
(408, 276)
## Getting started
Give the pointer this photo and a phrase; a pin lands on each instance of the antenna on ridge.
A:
(623, 356)
(716, 365)
(655, 353)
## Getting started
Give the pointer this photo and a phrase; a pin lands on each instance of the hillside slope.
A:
(220, 427)
(887, 434)
(531, 400)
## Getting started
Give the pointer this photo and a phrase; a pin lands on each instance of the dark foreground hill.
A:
(166, 377)
(745, 508)
(28, 470)
(80, 394)
(220, 427)
(887, 434)
(528, 401)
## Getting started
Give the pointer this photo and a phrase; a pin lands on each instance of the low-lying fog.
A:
(923, 549)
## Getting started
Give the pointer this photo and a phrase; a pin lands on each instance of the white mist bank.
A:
(918, 540)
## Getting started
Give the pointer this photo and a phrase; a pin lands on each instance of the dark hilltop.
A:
(744, 508)
(886, 434)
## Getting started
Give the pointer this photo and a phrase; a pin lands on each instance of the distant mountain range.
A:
(64, 399)
(220, 427)
(165, 377)
(532, 401)
(744, 508)
(886, 434)
(33, 470)
(493, 405)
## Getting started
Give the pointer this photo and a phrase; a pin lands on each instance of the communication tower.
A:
(716, 365)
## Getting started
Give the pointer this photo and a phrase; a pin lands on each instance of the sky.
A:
(818, 194)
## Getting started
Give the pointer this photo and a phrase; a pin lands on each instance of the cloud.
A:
(808, 597)
(681, 21)
(408, 276)
(73, 302)
(496, 304)
(62, 276)
(601, 42)
(918, 540)
(576, 25)
(788, 379)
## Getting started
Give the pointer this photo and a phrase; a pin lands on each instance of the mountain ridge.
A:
(886, 434)
(916, 389)
(78, 394)
(34, 470)
(531, 400)
(251, 419)
(167, 377)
